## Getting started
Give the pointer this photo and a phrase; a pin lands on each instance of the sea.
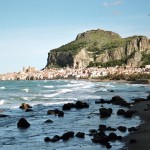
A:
(47, 95)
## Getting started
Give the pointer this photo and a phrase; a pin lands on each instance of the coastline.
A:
(140, 139)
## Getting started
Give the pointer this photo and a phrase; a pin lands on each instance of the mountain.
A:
(101, 48)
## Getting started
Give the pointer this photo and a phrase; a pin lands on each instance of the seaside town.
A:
(31, 73)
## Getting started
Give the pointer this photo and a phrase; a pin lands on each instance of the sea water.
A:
(52, 94)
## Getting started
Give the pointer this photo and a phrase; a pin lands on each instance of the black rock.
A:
(80, 105)
(113, 137)
(2, 115)
(29, 110)
(48, 121)
(121, 112)
(23, 123)
(122, 128)
(47, 139)
(60, 114)
(104, 112)
(25, 106)
(102, 127)
(68, 106)
(80, 135)
(67, 135)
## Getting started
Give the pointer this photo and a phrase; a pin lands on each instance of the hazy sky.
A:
(30, 28)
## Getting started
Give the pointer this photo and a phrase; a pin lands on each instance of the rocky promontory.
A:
(99, 48)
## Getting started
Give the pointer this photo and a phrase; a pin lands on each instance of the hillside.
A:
(101, 48)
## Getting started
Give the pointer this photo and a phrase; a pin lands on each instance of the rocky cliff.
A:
(101, 48)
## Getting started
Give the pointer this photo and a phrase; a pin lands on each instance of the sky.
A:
(29, 29)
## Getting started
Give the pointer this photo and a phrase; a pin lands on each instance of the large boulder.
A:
(67, 135)
(68, 106)
(23, 123)
(104, 112)
(80, 105)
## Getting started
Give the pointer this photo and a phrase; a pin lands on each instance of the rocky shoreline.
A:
(137, 139)
(110, 73)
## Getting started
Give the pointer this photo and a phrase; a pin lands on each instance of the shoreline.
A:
(117, 74)
(140, 139)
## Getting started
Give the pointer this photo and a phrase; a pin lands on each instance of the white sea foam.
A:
(25, 98)
(57, 103)
(60, 92)
(26, 90)
(2, 88)
(2, 102)
(46, 86)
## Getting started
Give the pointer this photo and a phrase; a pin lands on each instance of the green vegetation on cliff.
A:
(105, 48)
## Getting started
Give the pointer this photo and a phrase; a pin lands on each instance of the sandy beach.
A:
(140, 140)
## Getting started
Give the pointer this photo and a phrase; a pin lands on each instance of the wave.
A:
(2, 88)
(26, 90)
(28, 98)
(2, 102)
(57, 103)
(48, 86)
(58, 93)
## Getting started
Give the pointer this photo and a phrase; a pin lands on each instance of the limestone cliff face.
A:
(62, 59)
(101, 47)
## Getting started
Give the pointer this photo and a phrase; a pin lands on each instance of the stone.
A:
(25, 106)
(122, 128)
(104, 112)
(48, 121)
(68, 106)
(113, 137)
(2, 115)
(66, 136)
(60, 114)
(28, 110)
(121, 112)
(23, 123)
(80, 135)
(51, 112)
(80, 105)
(47, 139)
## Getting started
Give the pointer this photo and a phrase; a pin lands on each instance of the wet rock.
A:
(68, 106)
(2, 115)
(80, 105)
(101, 138)
(102, 101)
(29, 110)
(66, 136)
(93, 131)
(47, 139)
(25, 106)
(60, 114)
(110, 129)
(113, 137)
(55, 138)
(80, 135)
(48, 121)
(117, 100)
(121, 112)
(122, 128)
(102, 127)
(132, 129)
(55, 112)
(108, 146)
(23, 123)
(129, 113)
(51, 112)
(104, 112)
